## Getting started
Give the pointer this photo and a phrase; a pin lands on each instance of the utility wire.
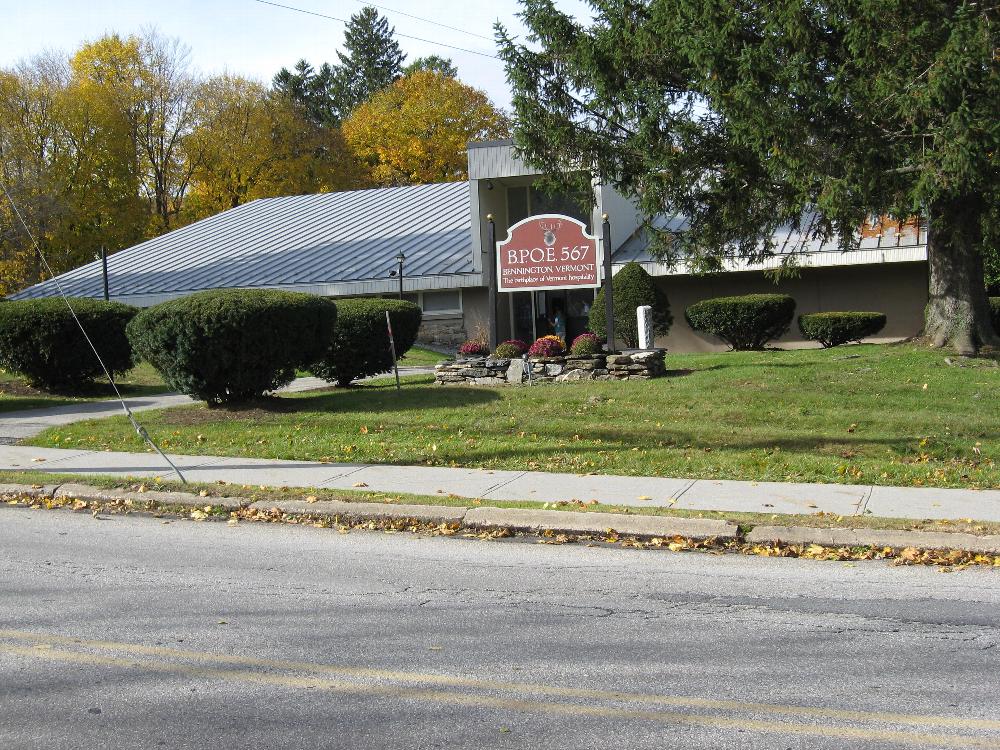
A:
(404, 36)
(425, 20)
(140, 430)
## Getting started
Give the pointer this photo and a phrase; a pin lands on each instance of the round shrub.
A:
(585, 344)
(631, 287)
(548, 346)
(40, 340)
(473, 348)
(995, 312)
(836, 328)
(746, 322)
(510, 349)
(233, 345)
(361, 341)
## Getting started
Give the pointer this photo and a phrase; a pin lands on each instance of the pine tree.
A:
(433, 64)
(748, 116)
(373, 60)
(310, 91)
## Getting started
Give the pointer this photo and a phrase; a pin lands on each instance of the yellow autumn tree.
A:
(416, 130)
(252, 143)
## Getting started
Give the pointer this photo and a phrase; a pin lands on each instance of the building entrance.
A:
(535, 314)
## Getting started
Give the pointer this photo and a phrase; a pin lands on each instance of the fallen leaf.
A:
(203, 493)
(37, 460)
(644, 497)
(311, 499)
(362, 484)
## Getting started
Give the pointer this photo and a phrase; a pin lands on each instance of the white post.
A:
(644, 317)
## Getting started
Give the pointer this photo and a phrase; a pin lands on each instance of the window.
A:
(449, 301)
(443, 303)
(517, 204)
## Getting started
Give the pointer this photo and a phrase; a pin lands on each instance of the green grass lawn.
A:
(419, 357)
(895, 414)
(16, 394)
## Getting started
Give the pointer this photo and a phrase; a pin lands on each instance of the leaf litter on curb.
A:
(947, 561)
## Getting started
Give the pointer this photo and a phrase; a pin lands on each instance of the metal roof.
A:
(304, 241)
(879, 242)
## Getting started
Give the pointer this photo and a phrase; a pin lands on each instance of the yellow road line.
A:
(551, 690)
(441, 696)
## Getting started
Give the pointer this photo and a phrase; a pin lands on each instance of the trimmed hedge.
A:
(631, 287)
(233, 345)
(40, 340)
(361, 342)
(745, 322)
(836, 328)
(995, 312)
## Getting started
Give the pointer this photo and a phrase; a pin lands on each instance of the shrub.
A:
(361, 341)
(995, 312)
(548, 346)
(835, 328)
(474, 348)
(510, 349)
(40, 340)
(585, 343)
(233, 345)
(745, 323)
(632, 287)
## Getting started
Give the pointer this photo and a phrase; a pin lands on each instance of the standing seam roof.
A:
(305, 239)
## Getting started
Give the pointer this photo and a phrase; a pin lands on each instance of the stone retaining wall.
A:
(491, 371)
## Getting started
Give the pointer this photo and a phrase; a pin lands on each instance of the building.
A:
(350, 244)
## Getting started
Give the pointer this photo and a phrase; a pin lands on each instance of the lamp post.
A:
(399, 259)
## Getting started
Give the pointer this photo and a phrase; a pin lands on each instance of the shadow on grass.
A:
(337, 400)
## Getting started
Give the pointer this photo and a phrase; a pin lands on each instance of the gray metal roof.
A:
(878, 240)
(304, 240)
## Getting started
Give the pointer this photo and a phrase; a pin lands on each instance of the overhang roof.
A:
(879, 242)
(303, 241)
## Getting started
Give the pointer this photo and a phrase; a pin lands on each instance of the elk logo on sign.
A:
(550, 231)
(549, 251)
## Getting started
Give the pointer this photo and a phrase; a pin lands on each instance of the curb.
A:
(986, 545)
(490, 518)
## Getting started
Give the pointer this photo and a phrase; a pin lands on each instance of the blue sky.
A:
(249, 38)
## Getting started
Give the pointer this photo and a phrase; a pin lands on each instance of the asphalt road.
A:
(131, 632)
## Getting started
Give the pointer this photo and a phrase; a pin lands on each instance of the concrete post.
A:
(644, 317)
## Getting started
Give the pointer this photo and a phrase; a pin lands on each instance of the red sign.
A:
(548, 251)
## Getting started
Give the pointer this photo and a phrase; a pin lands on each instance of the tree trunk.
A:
(957, 313)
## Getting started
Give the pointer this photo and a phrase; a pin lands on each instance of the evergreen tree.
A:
(432, 64)
(372, 60)
(310, 91)
(747, 116)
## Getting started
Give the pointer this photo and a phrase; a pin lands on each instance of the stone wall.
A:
(446, 332)
(491, 371)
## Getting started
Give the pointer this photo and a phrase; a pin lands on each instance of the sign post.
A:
(392, 347)
(491, 230)
(609, 301)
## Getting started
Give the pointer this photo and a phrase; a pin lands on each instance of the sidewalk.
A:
(681, 494)
(687, 494)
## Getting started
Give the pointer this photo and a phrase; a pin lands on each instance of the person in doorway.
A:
(558, 319)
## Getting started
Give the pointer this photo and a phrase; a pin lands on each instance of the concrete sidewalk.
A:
(755, 497)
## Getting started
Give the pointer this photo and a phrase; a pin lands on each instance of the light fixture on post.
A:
(399, 259)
